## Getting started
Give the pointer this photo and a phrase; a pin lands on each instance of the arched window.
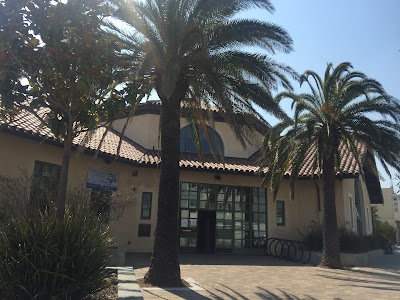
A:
(188, 144)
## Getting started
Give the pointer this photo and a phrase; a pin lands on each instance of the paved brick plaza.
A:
(260, 277)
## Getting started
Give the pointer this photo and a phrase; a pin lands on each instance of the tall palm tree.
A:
(197, 54)
(342, 110)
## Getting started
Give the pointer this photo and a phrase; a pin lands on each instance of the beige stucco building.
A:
(389, 211)
(223, 206)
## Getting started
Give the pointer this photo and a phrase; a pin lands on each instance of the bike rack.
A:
(255, 243)
(290, 250)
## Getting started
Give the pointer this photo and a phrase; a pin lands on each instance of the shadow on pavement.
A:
(347, 279)
(265, 294)
(383, 279)
(388, 262)
(379, 279)
(167, 295)
(227, 294)
(141, 260)
(375, 287)
(387, 275)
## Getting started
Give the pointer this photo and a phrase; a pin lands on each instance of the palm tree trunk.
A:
(164, 266)
(331, 249)
(62, 186)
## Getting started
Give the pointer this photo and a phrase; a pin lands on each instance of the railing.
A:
(291, 250)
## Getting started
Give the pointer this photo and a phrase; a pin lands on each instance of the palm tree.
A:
(196, 54)
(340, 111)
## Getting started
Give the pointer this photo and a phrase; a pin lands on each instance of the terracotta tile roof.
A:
(348, 164)
(230, 164)
(130, 151)
(28, 123)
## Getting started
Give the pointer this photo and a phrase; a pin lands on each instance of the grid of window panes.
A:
(189, 195)
(146, 206)
(224, 217)
(188, 223)
(250, 217)
(207, 196)
(188, 232)
(240, 216)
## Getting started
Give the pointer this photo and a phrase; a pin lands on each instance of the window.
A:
(146, 206)
(187, 141)
(44, 186)
(280, 213)
(351, 211)
(395, 205)
(188, 236)
(240, 214)
(101, 204)
(144, 230)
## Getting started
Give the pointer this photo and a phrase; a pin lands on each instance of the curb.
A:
(128, 286)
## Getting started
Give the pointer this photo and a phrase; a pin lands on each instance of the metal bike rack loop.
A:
(291, 250)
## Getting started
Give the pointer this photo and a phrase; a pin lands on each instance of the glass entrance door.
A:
(224, 218)
(206, 231)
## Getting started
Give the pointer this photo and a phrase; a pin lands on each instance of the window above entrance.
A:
(187, 141)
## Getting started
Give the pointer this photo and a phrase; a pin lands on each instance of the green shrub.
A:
(386, 231)
(349, 241)
(41, 258)
(312, 237)
(352, 242)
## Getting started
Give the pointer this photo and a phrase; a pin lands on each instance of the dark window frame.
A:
(44, 183)
(98, 204)
(142, 217)
(280, 212)
(144, 230)
(187, 144)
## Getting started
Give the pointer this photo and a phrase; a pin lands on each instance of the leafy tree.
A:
(338, 113)
(58, 64)
(197, 54)
(386, 231)
(374, 217)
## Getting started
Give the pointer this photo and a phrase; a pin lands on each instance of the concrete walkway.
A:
(128, 287)
(260, 277)
(390, 262)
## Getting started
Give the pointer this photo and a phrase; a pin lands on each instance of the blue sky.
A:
(363, 32)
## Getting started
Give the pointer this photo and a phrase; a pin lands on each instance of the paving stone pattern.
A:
(260, 277)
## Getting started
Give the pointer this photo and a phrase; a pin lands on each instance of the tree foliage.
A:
(197, 46)
(346, 105)
(57, 63)
(67, 62)
(199, 56)
(345, 112)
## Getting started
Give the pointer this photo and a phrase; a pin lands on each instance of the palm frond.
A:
(334, 118)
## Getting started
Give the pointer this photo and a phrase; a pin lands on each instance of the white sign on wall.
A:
(101, 179)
